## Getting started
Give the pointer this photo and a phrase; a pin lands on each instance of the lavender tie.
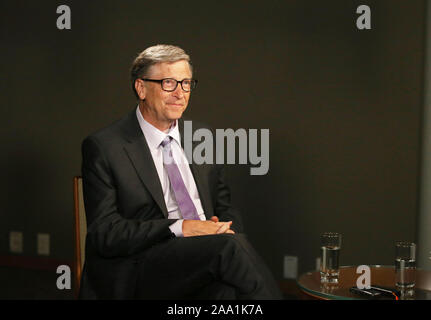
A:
(185, 203)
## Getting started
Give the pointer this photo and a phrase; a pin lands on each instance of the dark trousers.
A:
(206, 267)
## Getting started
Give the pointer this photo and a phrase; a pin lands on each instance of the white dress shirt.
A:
(154, 138)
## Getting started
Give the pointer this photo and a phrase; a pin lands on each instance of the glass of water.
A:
(329, 260)
(405, 265)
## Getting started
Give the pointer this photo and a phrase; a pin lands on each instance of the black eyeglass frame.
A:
(193, 83)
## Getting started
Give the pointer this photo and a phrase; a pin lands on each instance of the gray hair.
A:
(151, 56)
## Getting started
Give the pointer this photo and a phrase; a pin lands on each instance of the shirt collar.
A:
(153, 135)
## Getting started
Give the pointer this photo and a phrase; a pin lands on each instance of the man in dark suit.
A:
(159, 227)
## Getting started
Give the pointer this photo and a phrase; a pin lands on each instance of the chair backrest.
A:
(80, 230)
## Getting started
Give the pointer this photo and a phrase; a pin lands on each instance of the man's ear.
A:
(140, 88)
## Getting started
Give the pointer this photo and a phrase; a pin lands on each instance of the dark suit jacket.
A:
(125, 208)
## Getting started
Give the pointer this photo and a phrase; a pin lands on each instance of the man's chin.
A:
(175, 115)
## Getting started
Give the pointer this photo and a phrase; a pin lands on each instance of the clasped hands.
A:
(199, 228)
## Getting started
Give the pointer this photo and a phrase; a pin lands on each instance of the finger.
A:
(214, 219)
(225, 227)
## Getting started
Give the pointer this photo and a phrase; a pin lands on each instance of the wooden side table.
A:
(384, 276)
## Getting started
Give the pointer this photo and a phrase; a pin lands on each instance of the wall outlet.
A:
(290, 267)
(43, 245)
(16, 242)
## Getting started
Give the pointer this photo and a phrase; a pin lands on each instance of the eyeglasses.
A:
(169, 84)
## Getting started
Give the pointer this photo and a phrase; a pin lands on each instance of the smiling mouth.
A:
(175, 105)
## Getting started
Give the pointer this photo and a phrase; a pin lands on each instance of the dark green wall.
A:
(343, 107)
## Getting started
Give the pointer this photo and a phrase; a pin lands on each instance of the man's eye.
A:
(169, 82)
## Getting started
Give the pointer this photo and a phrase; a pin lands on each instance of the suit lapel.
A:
(139, 154)
(200, 177)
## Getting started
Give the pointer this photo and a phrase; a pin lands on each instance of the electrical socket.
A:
(16, 242)
(290, 267)
(43, 244)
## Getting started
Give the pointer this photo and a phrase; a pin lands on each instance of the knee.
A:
(231, 243)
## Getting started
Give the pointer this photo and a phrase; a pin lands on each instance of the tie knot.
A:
(166, 141)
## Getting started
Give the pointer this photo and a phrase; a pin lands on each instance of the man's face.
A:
(161, 108)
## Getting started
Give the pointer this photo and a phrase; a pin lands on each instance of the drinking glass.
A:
(330, 254)
(405, 264)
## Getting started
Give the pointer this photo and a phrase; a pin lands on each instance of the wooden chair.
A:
(80, 231)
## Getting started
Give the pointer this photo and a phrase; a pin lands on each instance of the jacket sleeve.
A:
(108, 232)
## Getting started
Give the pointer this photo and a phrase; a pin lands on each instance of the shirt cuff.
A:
(177, 228)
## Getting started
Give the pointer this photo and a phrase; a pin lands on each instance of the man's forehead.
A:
(170, 68)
